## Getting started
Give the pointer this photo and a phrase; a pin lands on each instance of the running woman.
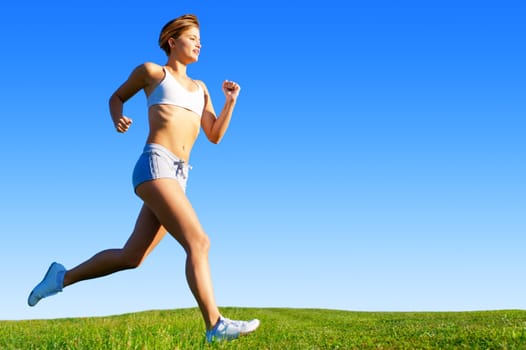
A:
(178, 107)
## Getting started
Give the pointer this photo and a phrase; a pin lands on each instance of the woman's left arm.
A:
(213, 126)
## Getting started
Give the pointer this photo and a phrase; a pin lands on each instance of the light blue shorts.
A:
(157, 162)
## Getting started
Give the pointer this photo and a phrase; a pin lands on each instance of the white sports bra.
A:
(171, 92)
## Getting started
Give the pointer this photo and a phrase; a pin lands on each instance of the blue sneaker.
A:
(51, 284)
(226, 329)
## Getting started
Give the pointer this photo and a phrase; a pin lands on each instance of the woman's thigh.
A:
(167, 200)
(148, 232)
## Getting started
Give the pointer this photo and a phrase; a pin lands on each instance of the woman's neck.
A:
(177, 67)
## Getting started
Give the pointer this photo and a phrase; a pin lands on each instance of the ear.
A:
(171, 42)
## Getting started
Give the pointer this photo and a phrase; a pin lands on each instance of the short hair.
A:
(175, 28)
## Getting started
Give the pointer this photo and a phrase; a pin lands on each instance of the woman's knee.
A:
(131, 260)
(200, 244)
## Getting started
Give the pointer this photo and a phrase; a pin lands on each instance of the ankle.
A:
(66, 280)
(212, 322)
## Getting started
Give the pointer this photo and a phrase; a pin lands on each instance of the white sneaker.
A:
(226, 329)
(51, 284)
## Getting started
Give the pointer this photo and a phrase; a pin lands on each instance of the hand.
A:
(231, 89)
(123, 124)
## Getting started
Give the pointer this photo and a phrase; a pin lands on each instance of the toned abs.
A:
(175, 128)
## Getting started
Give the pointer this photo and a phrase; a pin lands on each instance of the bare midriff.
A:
(174, 128)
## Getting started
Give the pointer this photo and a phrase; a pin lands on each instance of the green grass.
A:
(280, 329)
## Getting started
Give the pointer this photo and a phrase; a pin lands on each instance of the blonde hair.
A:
(175, 28)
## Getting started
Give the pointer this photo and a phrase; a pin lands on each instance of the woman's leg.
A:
(147, 233)
(171, 206)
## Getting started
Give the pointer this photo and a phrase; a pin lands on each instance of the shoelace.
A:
(234, 323)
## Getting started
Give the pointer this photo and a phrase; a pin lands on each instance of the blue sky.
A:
(376, 160)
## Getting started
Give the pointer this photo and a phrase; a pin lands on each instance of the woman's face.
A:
(188, 45)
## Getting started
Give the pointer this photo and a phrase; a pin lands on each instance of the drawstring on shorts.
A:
(180, 168)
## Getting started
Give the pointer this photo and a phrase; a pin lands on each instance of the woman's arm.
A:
(138, 79)
(215, 127)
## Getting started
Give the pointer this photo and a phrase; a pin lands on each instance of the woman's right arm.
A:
(140, 78)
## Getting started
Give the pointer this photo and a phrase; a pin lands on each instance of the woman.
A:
(177, 108)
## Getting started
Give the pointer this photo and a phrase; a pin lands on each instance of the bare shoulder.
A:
(203, 85)
(150, 71)
(151, 67)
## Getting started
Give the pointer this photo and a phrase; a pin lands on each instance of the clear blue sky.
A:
(376, 159)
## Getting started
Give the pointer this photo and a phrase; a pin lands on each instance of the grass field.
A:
(280, 329)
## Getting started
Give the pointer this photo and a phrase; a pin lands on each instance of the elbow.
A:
(215, 140)
(113, 98)
(215, 137)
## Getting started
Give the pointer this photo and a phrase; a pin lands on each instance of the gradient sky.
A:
(376, 159)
